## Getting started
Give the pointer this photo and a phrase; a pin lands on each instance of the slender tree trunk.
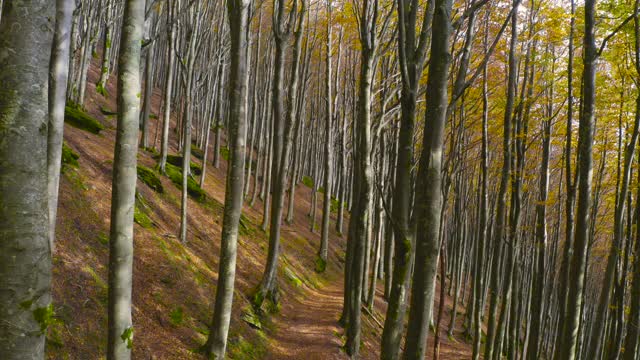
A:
(166, 118)
(124, 185)
(585, 175)
(328, 158)
(58, 72)
(238, 14)
(502, 193)
(428, 202)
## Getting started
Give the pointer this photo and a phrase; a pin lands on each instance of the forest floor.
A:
(174, 283)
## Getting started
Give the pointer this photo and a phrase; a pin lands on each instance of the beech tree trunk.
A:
(427, 208)
(585, 175)
(120, 326)
(58, 73)
(238, 15)
(25, 255)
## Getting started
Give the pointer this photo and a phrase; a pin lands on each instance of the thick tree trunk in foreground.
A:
(25, 257)
(124, 185)
(238, 14)
(428, 189)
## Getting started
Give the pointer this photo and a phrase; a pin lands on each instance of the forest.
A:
(320, 179)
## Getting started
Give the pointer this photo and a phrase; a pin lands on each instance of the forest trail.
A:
(175, 282)
(307, 327)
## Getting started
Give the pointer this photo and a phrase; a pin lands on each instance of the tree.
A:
(282, 135)
(120, 326)
(238, 15)
(25, 255)
(571, 322)
(328, 159)
(427, 210)
(58, 73)
(412, 56)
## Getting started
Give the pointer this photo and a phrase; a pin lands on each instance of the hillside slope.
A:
(174, 284)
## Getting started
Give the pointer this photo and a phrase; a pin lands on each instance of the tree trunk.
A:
(124, 185)
(585, 176)
(238, 14)
(428, 201)
(25, 257)
(58, 72)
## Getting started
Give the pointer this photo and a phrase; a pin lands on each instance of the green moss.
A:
(245, 228)
(96, 278)
(140, 212)
(149, 177)
(176, 160)
(250, 317)
(76, 179)
(103, 238)
(105, 111)
(321, 265)
(224, 151)
(307, 181)
(292, 277)
(242, 349)
(335, 205)
(141, 218)
(69, 157)
(100, 89)
(76, 117)
(45, 316)
(127, 336)
(193, 189)
(176, 316)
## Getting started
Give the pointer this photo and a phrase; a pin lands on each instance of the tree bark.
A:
(120, 326)
(238, 15)
(25, 256)
(427, 208)
(58, 73)
(585, 176)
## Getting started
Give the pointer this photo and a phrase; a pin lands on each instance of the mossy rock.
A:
(193, 189)
(69, 157)
(76, 117)
(176, 160)
(250, 317)
(308, 181)
(150, 178)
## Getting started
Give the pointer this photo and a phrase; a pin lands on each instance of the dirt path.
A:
(307, 326)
